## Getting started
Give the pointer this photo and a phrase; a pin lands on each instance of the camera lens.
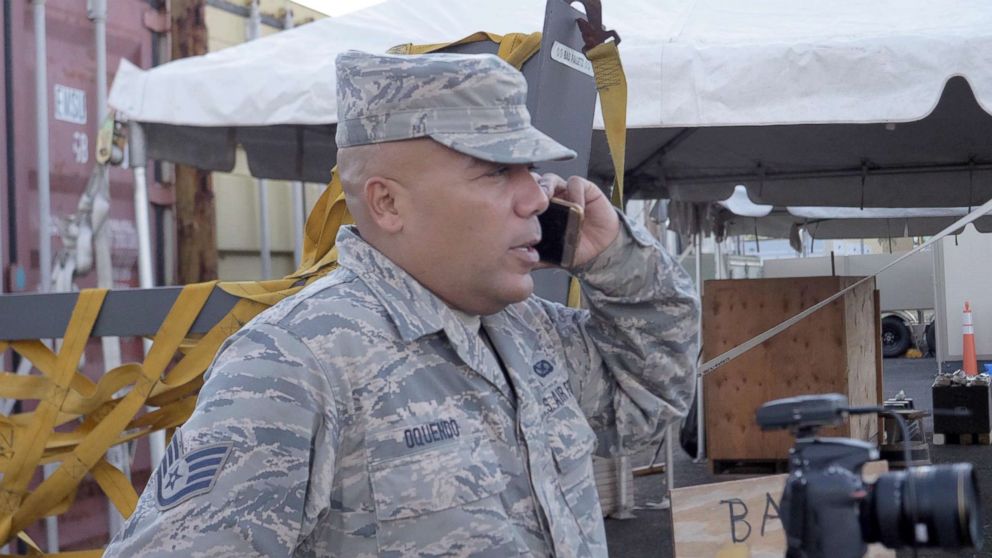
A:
(940, 508)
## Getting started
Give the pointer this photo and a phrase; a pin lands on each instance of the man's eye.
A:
(499, 172)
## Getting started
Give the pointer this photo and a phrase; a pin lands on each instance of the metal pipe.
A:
(52, 522)
(3, 263)
(41, 123)
(700, 415)
(940, 336)
(117, 455)
(624, 497)
(145, 279)
(299, 221)
(138, 160)
(98, 13)
(287, 16)
(254, 22)
(718, 259)
(252, 29)
(8, 84)
(263, 228)
(237, 7)
(44, 195)
(299, 203)
(670, 438)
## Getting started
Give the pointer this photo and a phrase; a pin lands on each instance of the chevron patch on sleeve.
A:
(185, 474)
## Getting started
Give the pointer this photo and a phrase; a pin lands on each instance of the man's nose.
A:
(530, 198)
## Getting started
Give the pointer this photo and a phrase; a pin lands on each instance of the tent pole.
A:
(700, 416)
(718, 257)
(263, 228)
(670, 438)
(44, 199)
(138, 162)
(117, 455)
(252, 31)
(940, 313)
(41, 125)
(299, 220)
(299, 203)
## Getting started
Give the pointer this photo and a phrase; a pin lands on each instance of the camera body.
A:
(828, 511)
(822, 500)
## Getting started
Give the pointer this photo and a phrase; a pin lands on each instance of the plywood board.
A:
(862, 338)
(821, 354)
(737, 519)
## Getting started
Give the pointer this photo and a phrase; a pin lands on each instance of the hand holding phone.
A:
(560, 225)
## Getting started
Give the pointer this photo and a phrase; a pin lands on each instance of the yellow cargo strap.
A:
(90, 418)
(515, 48)
(611, 83)
(68, 397)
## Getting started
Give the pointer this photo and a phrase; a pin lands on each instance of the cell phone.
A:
(560, 225)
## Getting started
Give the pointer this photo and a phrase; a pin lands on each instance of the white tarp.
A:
(724, 62)
(845, 103)
(688, 63)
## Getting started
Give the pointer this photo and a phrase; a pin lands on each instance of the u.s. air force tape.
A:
(746, 346)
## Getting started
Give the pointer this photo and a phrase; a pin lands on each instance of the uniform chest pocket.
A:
(572, 442)
(571, 438)
(452, 473)
(443, 500)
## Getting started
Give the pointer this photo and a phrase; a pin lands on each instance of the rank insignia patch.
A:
(182, 476)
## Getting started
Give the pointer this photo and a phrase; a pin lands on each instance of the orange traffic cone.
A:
(968, 332)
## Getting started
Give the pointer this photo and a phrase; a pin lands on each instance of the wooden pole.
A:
(196, 220)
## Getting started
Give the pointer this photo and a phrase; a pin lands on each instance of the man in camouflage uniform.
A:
(419, 400)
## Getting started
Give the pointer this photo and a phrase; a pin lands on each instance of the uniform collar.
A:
(414, 310)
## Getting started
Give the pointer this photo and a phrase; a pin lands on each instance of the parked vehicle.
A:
(905, 329)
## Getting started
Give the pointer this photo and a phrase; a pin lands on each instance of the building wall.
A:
(964, 272)
(236, 193)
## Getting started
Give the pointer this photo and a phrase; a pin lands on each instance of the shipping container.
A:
(138, 31)
(72, 111)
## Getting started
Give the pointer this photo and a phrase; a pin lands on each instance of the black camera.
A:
(826, 504)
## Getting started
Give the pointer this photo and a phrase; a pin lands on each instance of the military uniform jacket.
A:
(360, 417)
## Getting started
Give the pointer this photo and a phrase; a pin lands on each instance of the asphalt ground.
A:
(649, 534)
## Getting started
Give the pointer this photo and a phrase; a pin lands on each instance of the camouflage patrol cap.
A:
(472, 103)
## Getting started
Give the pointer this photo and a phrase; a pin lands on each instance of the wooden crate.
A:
(832, 351)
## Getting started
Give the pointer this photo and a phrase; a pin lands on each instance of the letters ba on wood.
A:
(737, 519)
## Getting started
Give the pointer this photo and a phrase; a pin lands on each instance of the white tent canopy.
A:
(784, 225)
(847, 103)
(742, 216)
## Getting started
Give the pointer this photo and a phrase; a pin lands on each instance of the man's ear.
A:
(381, 198)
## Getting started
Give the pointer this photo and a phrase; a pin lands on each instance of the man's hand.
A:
(600, 226)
